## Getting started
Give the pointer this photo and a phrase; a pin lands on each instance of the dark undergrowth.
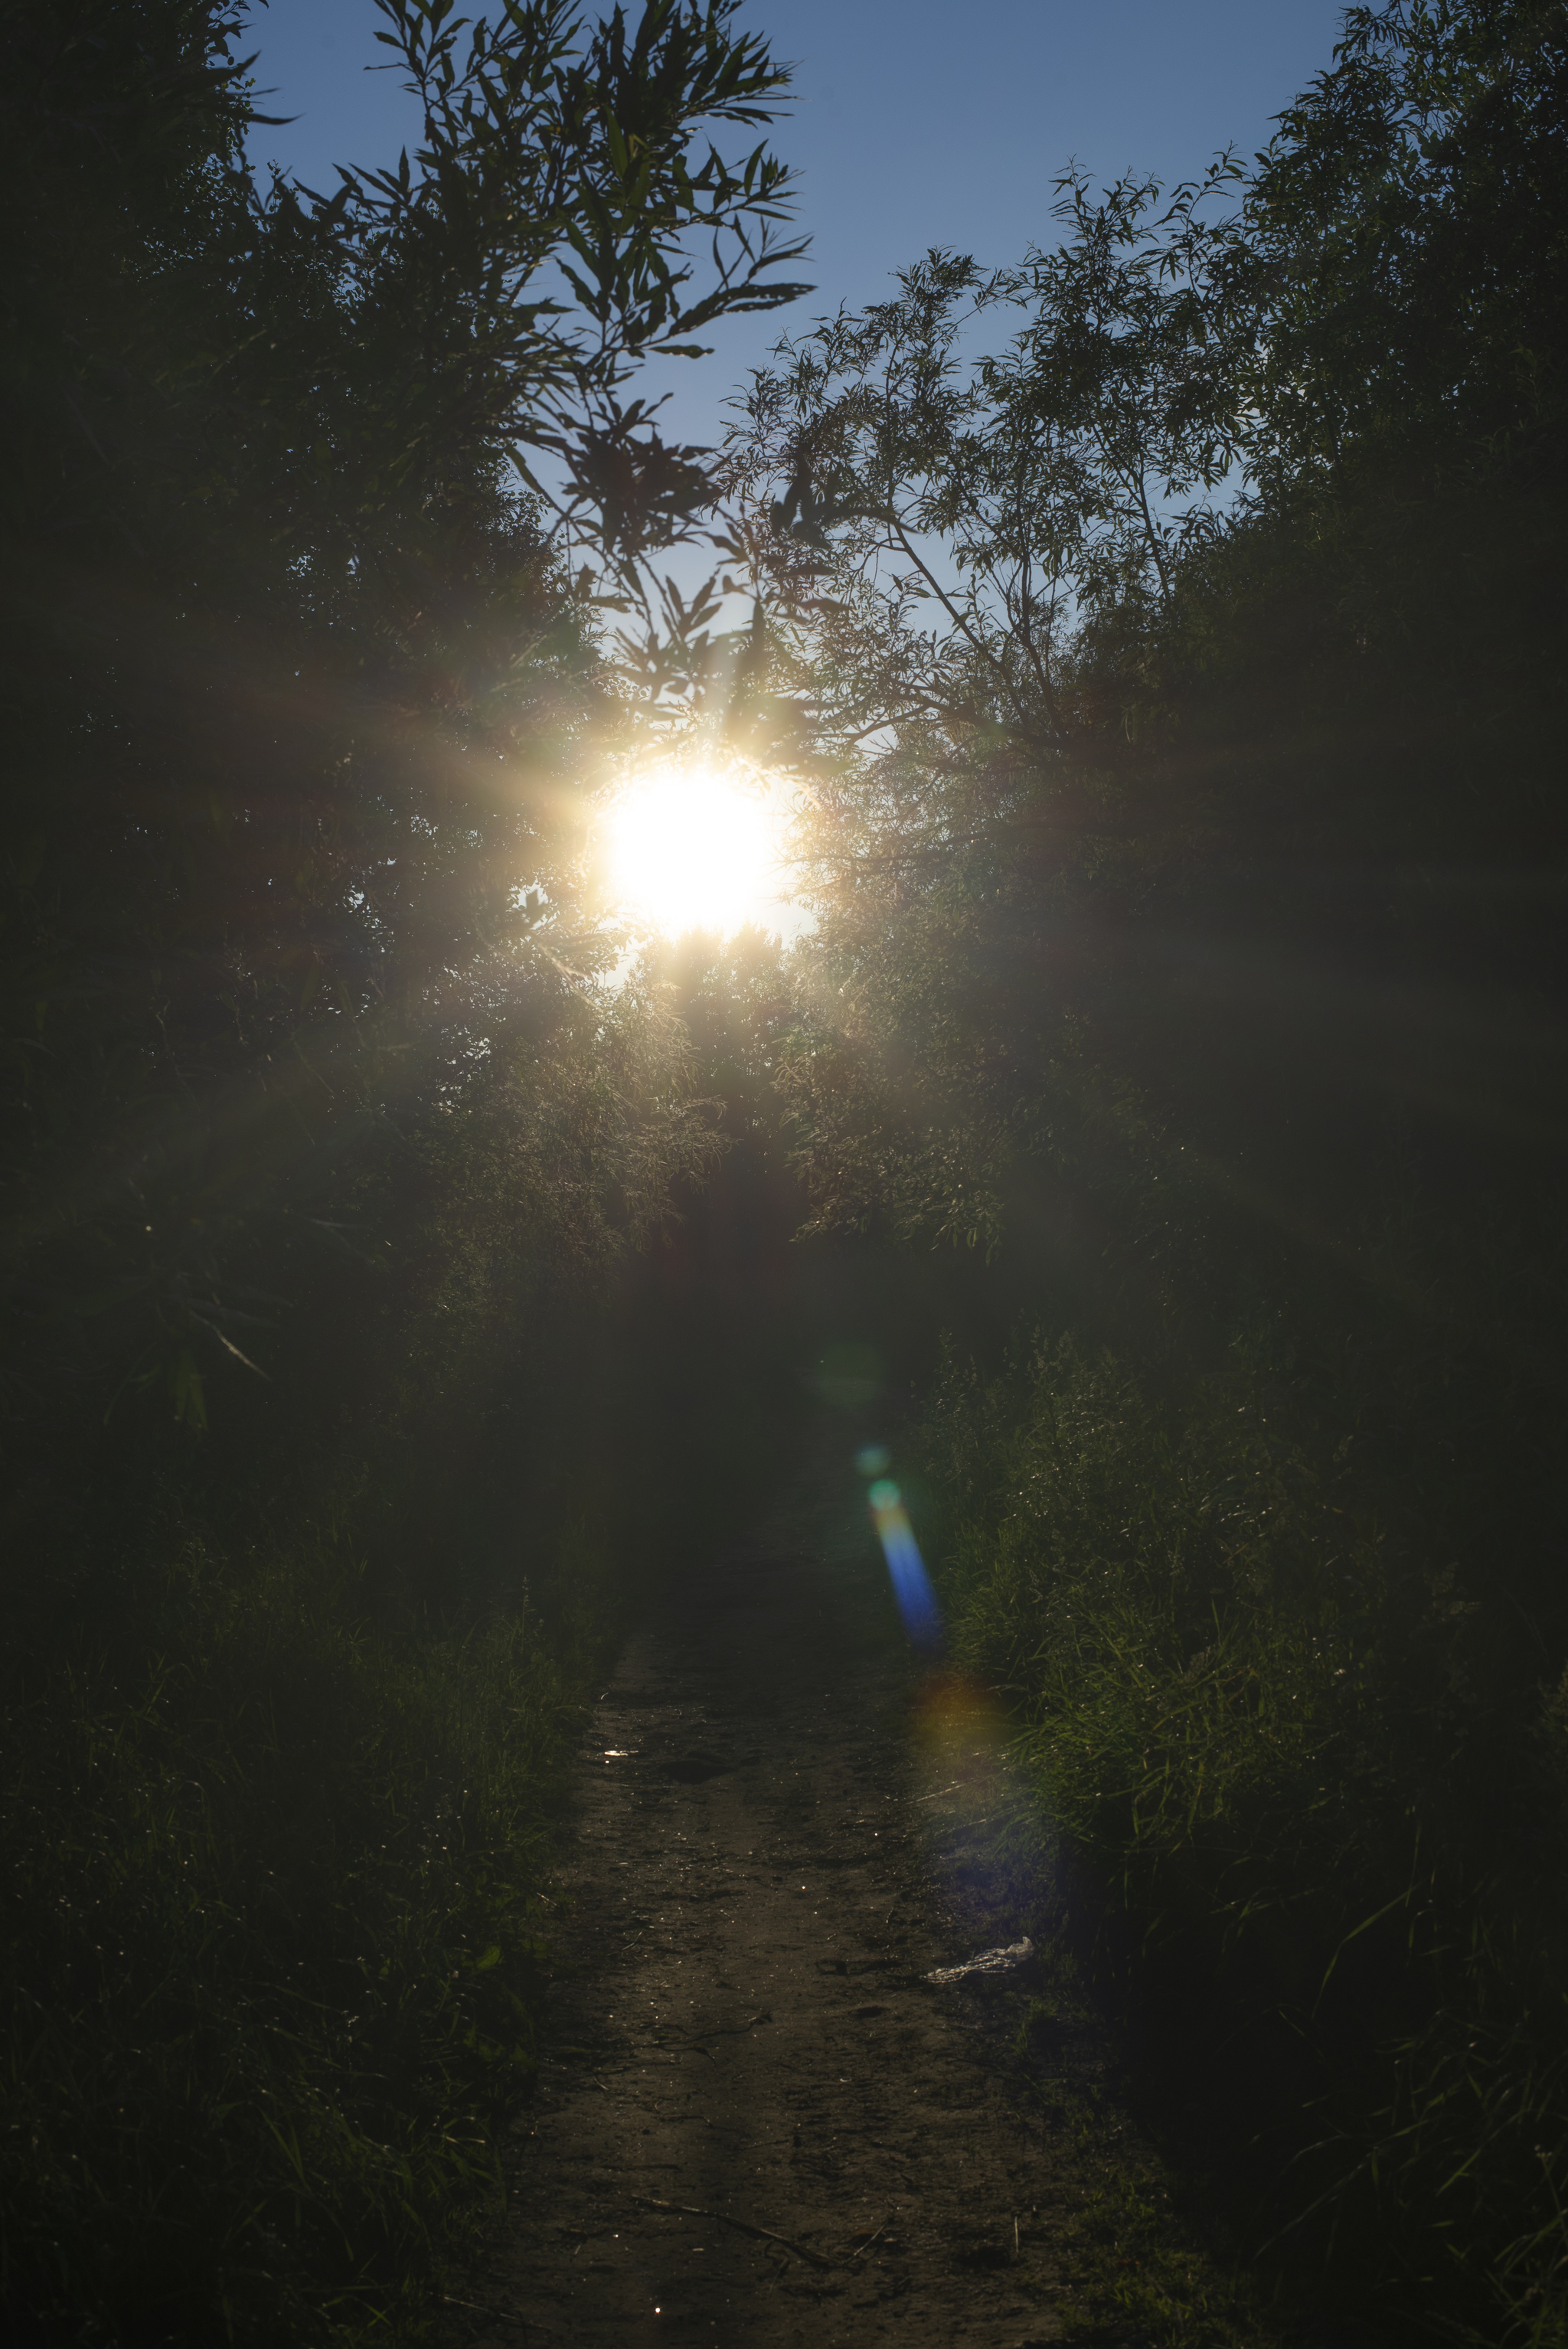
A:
(277, 1889)
(282, 1807)
(284, 1736)
(1292, 1722)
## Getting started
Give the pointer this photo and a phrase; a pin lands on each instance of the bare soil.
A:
(759, 2122)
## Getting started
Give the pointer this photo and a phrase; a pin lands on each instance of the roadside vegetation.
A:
(1170, 629)
(276, 1908)
(1273, 1736)
(326, 1143)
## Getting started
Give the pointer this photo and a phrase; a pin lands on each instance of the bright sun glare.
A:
(694, 848)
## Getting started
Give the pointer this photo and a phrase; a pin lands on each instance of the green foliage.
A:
(1129, 1575)
(1258, 1717)
(1175, 686)
(1176, 689)
(541, 153)
(734, 999)
(322, 1137)
(304, 716)
(1408, 224)
(274, 1943)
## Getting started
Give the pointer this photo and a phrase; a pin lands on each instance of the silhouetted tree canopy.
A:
(1177, 683)
(304, 709)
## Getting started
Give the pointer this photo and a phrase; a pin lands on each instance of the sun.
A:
(694, 846)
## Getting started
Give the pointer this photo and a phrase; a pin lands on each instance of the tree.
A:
(1179, 690)
(1133, 663)
(303, 703)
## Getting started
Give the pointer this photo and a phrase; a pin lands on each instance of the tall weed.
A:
(1263, 1725)
(276, 1890)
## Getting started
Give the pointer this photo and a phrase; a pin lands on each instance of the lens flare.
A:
(906, 1568)
(696, 847)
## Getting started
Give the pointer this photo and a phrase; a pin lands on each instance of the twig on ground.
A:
(881, 2230)
(742, 2226)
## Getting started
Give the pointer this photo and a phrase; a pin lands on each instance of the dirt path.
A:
(761, 2124)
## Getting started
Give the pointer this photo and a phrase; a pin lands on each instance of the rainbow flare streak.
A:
(911, 1583)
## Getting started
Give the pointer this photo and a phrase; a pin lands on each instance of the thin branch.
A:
(741, 2226)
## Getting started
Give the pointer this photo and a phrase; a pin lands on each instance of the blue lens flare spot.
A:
(906, 1568)
(874, 1460)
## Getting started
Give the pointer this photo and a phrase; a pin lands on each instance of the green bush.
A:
(274, 1891)
(1235, 1695)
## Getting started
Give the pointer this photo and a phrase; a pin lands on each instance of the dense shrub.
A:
(1261, 1718)
(322, 1137)
(276, 1899)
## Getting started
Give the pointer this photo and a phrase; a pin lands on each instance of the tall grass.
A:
(1280, 1740)
(283, 1721)
(275, 1899)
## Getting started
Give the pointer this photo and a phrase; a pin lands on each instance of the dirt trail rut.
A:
(759, 2123)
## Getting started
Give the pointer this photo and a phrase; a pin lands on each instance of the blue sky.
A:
(917, 124)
